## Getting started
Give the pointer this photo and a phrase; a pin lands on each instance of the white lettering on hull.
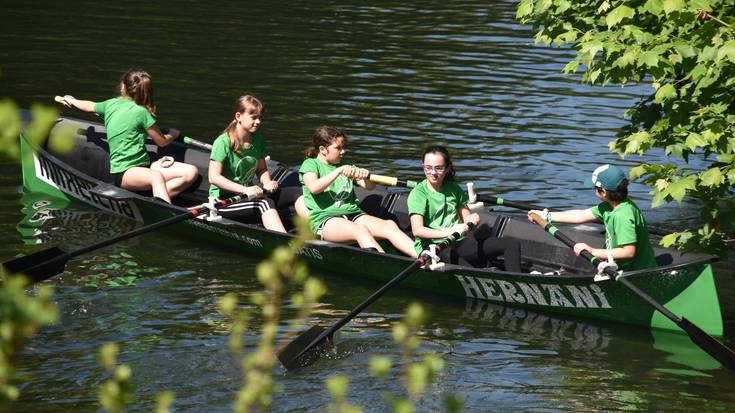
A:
(79, 188)
(548, 295)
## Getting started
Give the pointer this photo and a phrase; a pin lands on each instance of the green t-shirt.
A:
(440, 209)
(625, 225)
(338, 199)
(126, 123)
(239, 168)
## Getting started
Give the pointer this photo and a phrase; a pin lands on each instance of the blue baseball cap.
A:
(607, 177)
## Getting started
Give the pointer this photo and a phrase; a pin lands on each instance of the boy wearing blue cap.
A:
(627, 239)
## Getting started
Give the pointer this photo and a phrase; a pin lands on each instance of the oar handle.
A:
(496, 200)
(421, 260)
(391, 181)
(199, 144)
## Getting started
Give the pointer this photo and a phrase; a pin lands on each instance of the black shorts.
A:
(247, 211)
(117, 178)
(352, 217)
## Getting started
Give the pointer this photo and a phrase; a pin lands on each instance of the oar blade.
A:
(290, 354)
(709, 344)
(39, 266)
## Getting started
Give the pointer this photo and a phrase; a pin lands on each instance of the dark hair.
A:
(619, 194)
(138, 86)
(324, 136)
(245, 103)
(447, 159)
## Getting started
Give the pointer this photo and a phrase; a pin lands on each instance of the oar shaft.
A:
(495, 200)
(199, 144)
(391, 181)
(421, 260)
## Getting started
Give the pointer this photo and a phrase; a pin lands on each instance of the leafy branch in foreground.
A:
(282, 270)
(686, 51)
(21, 315)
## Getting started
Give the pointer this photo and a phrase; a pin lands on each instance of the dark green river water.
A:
(396, 78)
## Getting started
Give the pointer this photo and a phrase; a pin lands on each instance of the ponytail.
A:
(138, 85)
(324, 136)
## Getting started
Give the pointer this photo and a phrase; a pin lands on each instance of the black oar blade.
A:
(289, 355)
(709, 344)
(38, 266)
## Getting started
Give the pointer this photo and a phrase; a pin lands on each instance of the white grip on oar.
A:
(473, 204)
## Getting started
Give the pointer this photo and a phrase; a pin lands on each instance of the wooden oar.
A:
(310, 345)
(391, 181)
(46, 263)
(714, 348)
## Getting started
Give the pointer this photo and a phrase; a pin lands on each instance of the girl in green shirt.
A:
(129, 119)
(438, 208)
(333, 208)
(626, 234)
(238, 154)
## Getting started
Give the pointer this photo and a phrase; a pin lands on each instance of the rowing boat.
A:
(553, 280)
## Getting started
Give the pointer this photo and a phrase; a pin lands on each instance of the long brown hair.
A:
(324, 136)
(137, 85)
(243, 104)
(447, 159)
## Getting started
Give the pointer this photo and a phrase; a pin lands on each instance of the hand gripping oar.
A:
(391, 181)
(46, 263)
(310, 345)
(714, 348)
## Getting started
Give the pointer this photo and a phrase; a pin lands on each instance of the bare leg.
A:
(300, 207)
(342, 230)
(140, 178)
(272, 221)
(178, 176)
(387, 229)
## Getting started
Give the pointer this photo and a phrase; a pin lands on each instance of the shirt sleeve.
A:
(624, 227)
(307, 166)
(100, 107)
(146, 119)
(219, 150)
(598, 210)
(416, 202)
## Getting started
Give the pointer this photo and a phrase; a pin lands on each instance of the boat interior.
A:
(541, 253)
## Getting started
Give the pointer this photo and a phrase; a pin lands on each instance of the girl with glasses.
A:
(332, 205)
(438, 208)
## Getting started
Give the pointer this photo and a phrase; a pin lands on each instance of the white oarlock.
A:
(435, 261)
(212, 215)
(473, 204)
(610, 263)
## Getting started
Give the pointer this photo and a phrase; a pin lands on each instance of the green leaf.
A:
(648, 58)
(665, 92)
(727, 51)
(571, 67)
(525, 7)
(618, 14)
(712, 177)
(669, 240)
(678, 189)
(685, 50)
(654, 7)
(671, 6)
(627, 59)
(695, 140)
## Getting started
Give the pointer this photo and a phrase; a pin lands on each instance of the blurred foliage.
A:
(278, 274)
(686, 52)
(21, 315)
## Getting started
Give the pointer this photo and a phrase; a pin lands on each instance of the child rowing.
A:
(238, 155)
(129, 119)
(438, 208)
(330, 198)
(627, 239)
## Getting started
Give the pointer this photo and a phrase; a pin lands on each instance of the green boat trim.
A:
(684, 282)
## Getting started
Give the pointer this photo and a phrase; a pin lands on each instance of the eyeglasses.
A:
(438, 169)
